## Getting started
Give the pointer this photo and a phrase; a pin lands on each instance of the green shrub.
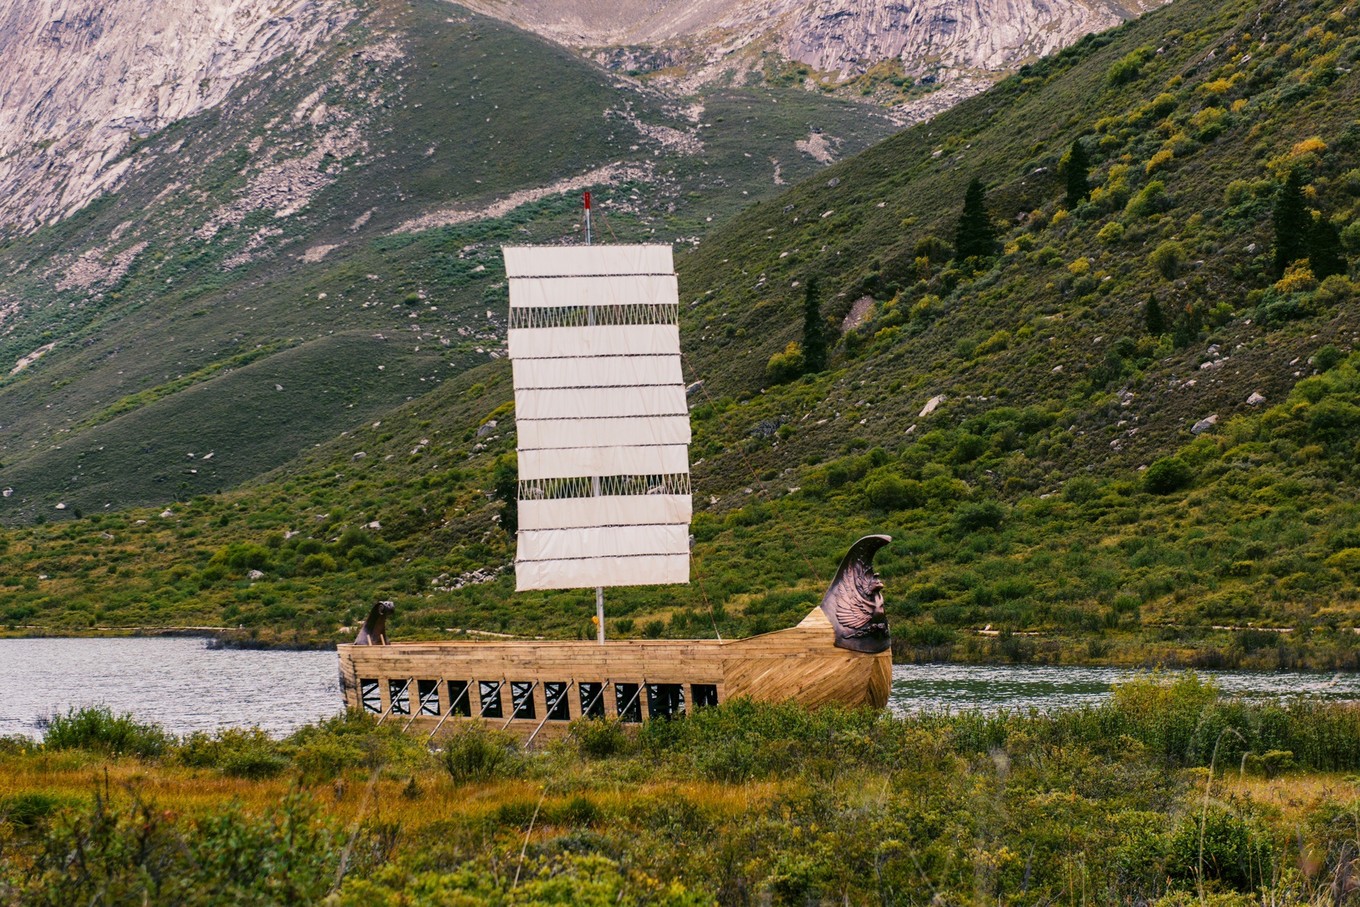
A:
(1111, 233)
(1168, 258)
(30, 808)
(1151, 199)
(1221, 846)
(982, 515)
(1128, 67)
(1327, 357)
(353, 741)
(97, 729)
(785, 366)
(477, 754)
(242, 556)
(891, 492)
(599, 738)
(1167, 475)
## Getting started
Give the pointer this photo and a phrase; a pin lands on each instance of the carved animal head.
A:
(854, 600)
(374, 630)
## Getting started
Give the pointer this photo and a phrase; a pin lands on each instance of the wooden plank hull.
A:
(429, 686)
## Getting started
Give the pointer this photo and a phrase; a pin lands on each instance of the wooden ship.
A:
(604, 500)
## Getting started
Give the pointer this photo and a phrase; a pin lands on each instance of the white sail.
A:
(603, 427)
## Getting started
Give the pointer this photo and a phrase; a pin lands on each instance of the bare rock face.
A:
(957, 36)
(83, 79)
(960, 45)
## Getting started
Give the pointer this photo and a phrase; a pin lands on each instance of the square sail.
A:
(602, 422)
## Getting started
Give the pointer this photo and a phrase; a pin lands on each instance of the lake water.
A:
(184, 686)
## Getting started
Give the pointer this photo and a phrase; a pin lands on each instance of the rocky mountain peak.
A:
(82, 81)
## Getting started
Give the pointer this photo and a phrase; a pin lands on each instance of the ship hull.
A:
(535, 688)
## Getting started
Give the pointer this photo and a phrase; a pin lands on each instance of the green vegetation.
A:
(1121, 438)
(1167, 793)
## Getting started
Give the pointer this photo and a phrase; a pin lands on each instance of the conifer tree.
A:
(1325, 256)
(975, 237)
(1293, 225)
(1153, 319)
(505, 486)
(814, 329)
(1076, 169)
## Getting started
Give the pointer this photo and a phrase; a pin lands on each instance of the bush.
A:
(599, 738)
(30, 809)
(1168, 259)
(1167, 475)
(1221, 846)
(1151, 199)
(242, 556)
(891, 492)
(238, 752)
(97, 729)
(787, 365)
(1111, 233)
(353, 741)
(983, 515)
(1328, 357)
(479, 754)
(1127, 68)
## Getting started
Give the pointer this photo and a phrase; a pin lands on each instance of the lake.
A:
(184, 686)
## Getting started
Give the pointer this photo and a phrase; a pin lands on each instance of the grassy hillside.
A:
(262, 243)
(1056, 503)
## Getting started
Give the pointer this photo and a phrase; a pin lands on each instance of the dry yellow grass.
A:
(436, 798)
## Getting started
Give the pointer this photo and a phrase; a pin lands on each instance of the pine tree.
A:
(1325, 256)
(814, 329)
(505, 486)
(1293, 225)
(1076, 168)
(975, 237)
(1153, 319)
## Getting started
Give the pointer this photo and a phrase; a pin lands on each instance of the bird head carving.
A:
(854, 600)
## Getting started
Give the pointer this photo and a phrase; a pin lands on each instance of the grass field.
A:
(1168, 794)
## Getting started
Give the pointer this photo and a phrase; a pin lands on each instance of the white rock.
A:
(1256, 399)
(61, 506)
(255, 574)
(931, 405)
(167, 513)
(1204, 424)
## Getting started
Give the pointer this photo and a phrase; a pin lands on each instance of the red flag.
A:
(587, 201)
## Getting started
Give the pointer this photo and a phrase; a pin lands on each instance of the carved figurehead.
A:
(854, 600)
(374, 630)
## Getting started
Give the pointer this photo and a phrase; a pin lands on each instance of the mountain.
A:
(82, 81)
(337, 198)
(918, 58)
(1067, 477)
(204, 208)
